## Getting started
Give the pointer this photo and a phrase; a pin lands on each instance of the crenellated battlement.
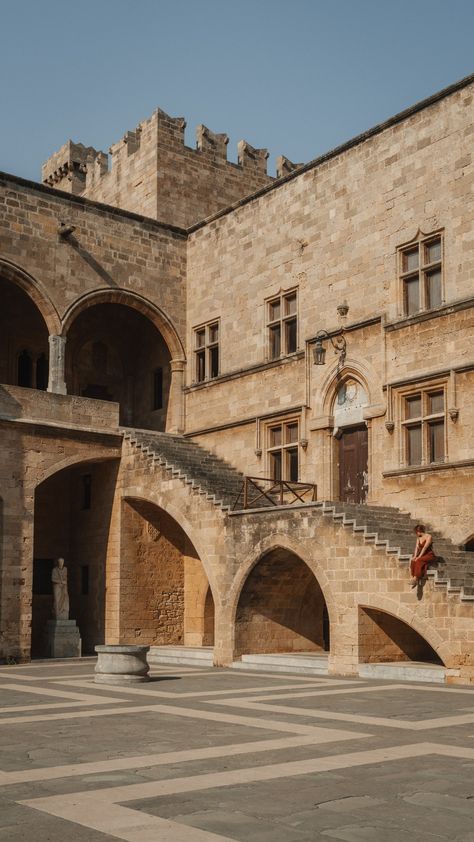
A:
(152, 171)
(284, 166)
(66, 169)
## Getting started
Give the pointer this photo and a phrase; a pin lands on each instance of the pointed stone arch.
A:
(76, 459)
(35, 291)
(277, 602)
(192, 530)
(261, 548)
(136, 302)
(163, 583)
(424, 629)
(361, 372)
(146, 358)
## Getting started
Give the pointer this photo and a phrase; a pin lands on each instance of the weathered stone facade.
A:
(113, 320)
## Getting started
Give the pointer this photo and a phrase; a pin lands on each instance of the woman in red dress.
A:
(422, 556)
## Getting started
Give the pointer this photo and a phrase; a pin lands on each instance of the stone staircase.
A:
(183, 458)
(392, 530)
(385, 527)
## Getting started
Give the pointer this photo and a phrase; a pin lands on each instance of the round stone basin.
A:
(121, 664)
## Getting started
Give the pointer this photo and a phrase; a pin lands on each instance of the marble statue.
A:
(60, 594)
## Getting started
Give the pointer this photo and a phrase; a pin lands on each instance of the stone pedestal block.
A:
(63, 639)
(121, 664)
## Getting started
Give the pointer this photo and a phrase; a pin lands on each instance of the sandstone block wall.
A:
(109, 251)
(152, 574)
(332, 233)
(31, 452)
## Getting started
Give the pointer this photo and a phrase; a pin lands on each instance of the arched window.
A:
(42, 372)
(25, 369)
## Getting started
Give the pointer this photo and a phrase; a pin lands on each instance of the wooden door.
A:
(353, 473)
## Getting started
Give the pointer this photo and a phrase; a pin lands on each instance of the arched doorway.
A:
(281, 608)
(351, 440)
(165, 597)
(115, 353)
(384, 638)
(23, 339)
(73, 510)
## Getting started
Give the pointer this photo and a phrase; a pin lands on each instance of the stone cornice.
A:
(426, 315)
(241, 422)
(429, 375)
(47, 428)
(339, 150)
(242, 372)
(54, 193)
(427, 469)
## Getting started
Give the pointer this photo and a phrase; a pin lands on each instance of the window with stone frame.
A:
(206, 352)
(283, 450)
(421, 274)
(424, 426)
(282, 325)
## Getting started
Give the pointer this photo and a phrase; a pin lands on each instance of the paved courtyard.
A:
(203, 755)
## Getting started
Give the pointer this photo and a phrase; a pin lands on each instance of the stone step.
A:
(307, 663)
(405, 671)
(384, 527)
(198, 656)
(391, 529)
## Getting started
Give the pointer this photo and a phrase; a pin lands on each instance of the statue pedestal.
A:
(63, 639)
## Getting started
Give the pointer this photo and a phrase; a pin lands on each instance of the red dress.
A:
(418, 566)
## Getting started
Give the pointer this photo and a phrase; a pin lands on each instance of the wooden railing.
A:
(261, 492)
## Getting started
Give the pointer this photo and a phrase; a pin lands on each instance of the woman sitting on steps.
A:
(422, 556)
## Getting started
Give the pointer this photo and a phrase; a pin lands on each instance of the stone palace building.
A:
(227, 398)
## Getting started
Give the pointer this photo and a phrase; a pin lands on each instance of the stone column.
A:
(175, 413)
(224, 636)
(57, 383)
(344, 655)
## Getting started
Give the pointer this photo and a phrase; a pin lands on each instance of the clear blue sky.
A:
(296, 77)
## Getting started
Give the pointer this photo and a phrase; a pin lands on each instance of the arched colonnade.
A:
(110, 344)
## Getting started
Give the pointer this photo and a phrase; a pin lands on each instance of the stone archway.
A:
(281, 607)
(163, 585)
(383, 638)
(133, 354)
(115, 353)
(72, 517)
(135, 302)
(35, 291)
(24, 347)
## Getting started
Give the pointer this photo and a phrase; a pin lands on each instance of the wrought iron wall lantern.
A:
(338, 342)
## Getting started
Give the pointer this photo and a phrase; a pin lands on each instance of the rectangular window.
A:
(282, 325)
(421, 274)
(423, 422)
(158, 388)
(206, 352)
(282, 450)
